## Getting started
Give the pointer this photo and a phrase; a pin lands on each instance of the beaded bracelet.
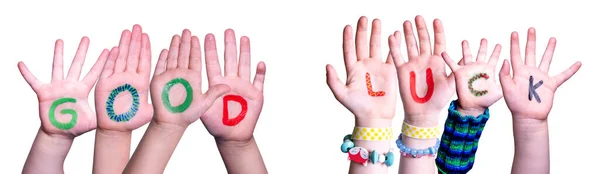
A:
(362, 156)
(417, 153)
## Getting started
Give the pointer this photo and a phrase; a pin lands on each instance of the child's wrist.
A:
(529, 126)
(373, 122)
(113, 133)
(235, 144)
(474, 111)
(379, 146)
(416, 143)
(422, 120)
(56, 139)
(168, 127)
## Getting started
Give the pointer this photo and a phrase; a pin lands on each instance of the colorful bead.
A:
(348, 137)
(389, 159)
(373, 157)
(347, 145)
(359, 155)
(381, 158)
(362, 156)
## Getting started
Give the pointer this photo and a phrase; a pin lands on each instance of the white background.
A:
(302, 125)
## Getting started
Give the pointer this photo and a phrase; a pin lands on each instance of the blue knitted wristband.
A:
(460, 140)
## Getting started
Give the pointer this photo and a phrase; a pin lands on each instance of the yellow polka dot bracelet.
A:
(420, 132)
(372, 134)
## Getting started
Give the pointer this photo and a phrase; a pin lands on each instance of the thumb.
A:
(505, 80)
(334, 83)
(451, 81)
(213, 93)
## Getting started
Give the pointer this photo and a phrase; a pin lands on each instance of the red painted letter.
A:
(240, 116)
(370, 88)
(413, 87)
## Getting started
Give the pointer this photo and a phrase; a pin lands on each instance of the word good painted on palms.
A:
(188, 99)
(370, 88)
(236, 120)
(532, 88)
(124, 117)
(72, 112)
(475, 92)
(413, 86)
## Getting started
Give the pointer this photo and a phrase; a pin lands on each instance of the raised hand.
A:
(63, 103)
(122, 91)
(475, 81)
(176, 87)
(425, 88)
(233, 117)
(370, 89)
(529, 93)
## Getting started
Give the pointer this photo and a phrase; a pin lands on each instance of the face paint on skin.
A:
(413, 86)
(370, 88)
(110, 109)
(478, 93)
(532, 88)
(240, 116)
(72, 112)
(188, 99)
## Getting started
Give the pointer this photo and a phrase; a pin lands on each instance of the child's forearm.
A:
(111, 151)
(47, 154)
(424, 164)
(155, 149)
(241, 157)
(532, 149)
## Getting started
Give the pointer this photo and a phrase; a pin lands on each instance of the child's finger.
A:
(506, 80)
(334, 83)
(395, 52)
(213, 93)
(77, 64)
(259, 78)
(92, 76)
(57, 63)
(453, 66)
(109, 66)
(33, 82)
(161, 64)
(567, 74)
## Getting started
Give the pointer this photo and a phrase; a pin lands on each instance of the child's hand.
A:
(425, 88)
(530, 92)
(176, 87)
(64, 107)
(122, 91)
(370, 89)
(233, 116)
(475, 81)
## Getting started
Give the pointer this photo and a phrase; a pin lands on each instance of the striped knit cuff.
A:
(459, 141)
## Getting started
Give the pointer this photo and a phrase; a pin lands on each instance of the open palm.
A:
(176, 87)
(475, 81)
(122, 91)
(63, 103)
(529, 94)
(425, 88)
(233, 117)
(370, 89)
